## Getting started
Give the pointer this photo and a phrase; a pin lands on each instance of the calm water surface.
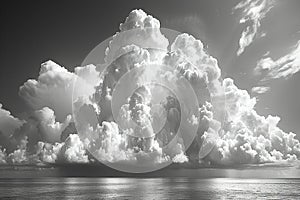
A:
(148, 188)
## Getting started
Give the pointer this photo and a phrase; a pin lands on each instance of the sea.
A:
(148, 188)
(94, 182)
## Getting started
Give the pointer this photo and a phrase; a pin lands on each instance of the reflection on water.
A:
(148, 188)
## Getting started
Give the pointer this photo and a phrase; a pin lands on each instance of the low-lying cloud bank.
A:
(48, 134)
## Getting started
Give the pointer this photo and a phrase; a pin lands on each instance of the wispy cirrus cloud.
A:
(283, 67)
(252, 14)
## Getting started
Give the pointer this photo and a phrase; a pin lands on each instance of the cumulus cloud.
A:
(139, 19)
(133, 143)
(114, 147)
(283, 67)
(74, 150)
(194, 52)
(54, 86)
(8, 123)
(180, 158)
(8, 126)
(252, 14)
(248, 138)
(48, 134)
(39, 139)
(70, 151)
(189, 57)
(2, 156)
(52, 89)
(50, 95)
(126, 142)
(49, 129)
(49, 152)
(138, 29)
(19, 156)
(260, 89)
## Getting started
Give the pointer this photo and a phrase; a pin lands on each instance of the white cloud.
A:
(88, 73)
(180, 158)
(194, 52)
(52, 89)
(70, 151)
(8, 126)
(19, 156)
(49, 152)
(189, 57)
(108, 145)
(248, 138)
(54, 86)
(260, 89)
(284, 67)
(49, 129)
(2, 156)
(139, 19)
(211, 132)
(8, 123)
(253, 12)
(44, 132)
(74, 150)
(138, 29)
(243, 136)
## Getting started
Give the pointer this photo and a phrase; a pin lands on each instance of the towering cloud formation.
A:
(237, 136)
(253, 11)
(283, 67)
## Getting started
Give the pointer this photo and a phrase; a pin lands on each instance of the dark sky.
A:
(66, 31)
